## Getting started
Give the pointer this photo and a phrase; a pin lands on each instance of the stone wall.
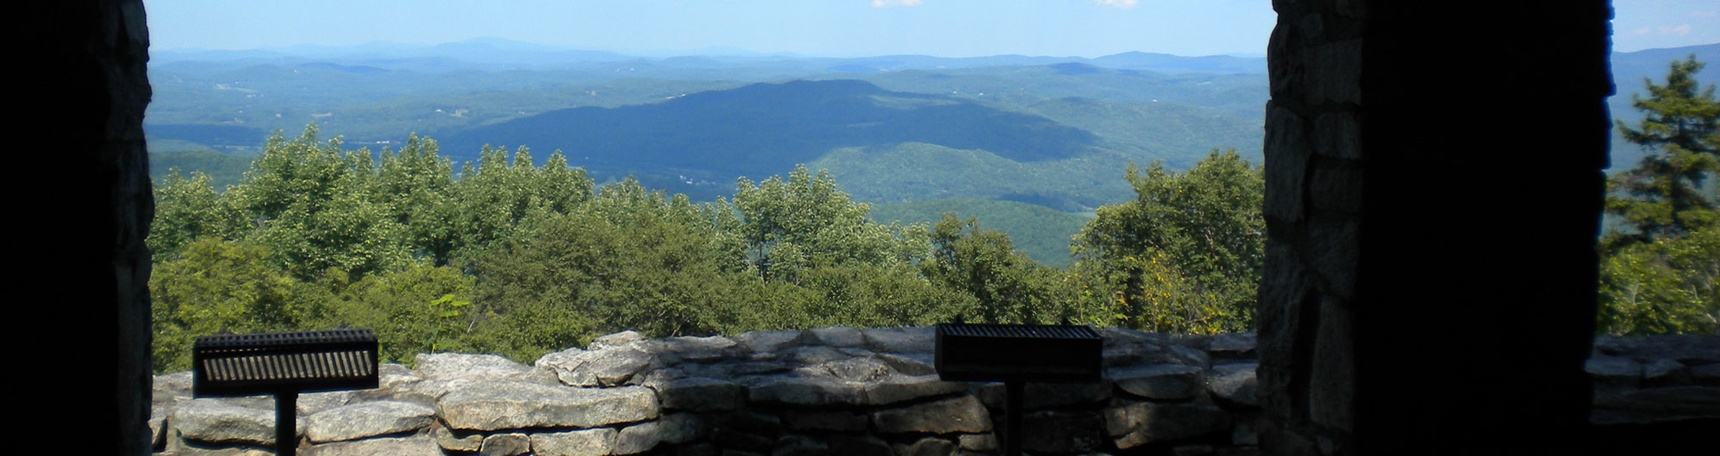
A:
(81, 204)
(824, 391)
(1433, 173)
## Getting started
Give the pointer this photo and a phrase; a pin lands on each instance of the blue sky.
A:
(949, 28)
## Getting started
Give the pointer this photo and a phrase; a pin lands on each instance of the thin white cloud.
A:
(1124, 4)
(894, 3)
(1669, 30)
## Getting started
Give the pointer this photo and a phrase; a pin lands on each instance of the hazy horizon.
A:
(849, 28)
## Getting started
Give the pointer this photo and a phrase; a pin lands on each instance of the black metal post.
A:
(286, 423)
(1012, 419)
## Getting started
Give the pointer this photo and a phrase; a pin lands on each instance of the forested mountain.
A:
(763, 129)
(1048, 131)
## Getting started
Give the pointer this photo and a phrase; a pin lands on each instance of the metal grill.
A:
(237, 365)
(1020, 331)
(283, 364)
(1031, 353)
(1015, 354)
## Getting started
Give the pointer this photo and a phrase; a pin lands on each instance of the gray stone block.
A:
(956, 415)
(516, 405)
(368, 419)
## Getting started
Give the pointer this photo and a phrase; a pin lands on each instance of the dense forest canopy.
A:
(509, 257)
(520, 256)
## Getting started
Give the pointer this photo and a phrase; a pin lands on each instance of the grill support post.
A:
(284, 365)
(286, 422)
(1015, 355)
(1012, 418)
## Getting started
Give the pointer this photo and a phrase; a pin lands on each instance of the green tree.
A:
(1665, 286)
(419, 309)
(1009, 287)
(1659, 274)
(1195, 238)
(187, 209)
(806, 221)
(314, 209)
(418, 186)
(215, 286)
(1663, 196)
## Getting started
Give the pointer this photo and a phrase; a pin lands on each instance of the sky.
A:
(833, 28)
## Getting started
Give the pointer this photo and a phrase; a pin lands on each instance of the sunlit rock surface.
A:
(832, 391)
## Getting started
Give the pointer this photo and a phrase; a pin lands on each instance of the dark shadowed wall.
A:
(1433, 189)
(82, 196)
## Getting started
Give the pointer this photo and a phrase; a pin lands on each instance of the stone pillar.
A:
(80, 176)
(1433, 196)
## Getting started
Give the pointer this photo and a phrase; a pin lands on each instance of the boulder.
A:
(804, 390)
(679, 428)
(978, 442)
(908, 364)
(367, 419)
(616, 340)
(746, 431)
(814, 355)
(313, 403)
(1183, 354)
(508, 444)
(699, 394)
(638, 438)
(1061, 432)
(1232, 346)
(1035, 396)
(799, 445)
(1234, 384)
(824, 420)
(900, 340)
(962, 414)
(855, 445)
(1147, 422)
(928, 446)
(478, 368)
(519, 405)
(1707, 374)
(1165, 382)
(587, 442)
(232, 451)
(221, 421)
(858, 369)
(394, 375)
(611, 366)
(1657, 404)
(451, 440)
(698, 349)
(908, 388)
(1611, 372)
(1664, 372)
(769, 341)
(838, 336)
(170, 388)
(402, 446)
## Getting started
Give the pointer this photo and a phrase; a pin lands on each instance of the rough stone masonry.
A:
(829, 391)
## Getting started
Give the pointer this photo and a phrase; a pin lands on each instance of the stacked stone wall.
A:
(823, 391)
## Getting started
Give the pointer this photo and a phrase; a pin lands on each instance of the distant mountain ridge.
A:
(481, 53)
(767, 128)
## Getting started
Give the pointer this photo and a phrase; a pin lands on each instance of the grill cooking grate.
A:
(1021, 331)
